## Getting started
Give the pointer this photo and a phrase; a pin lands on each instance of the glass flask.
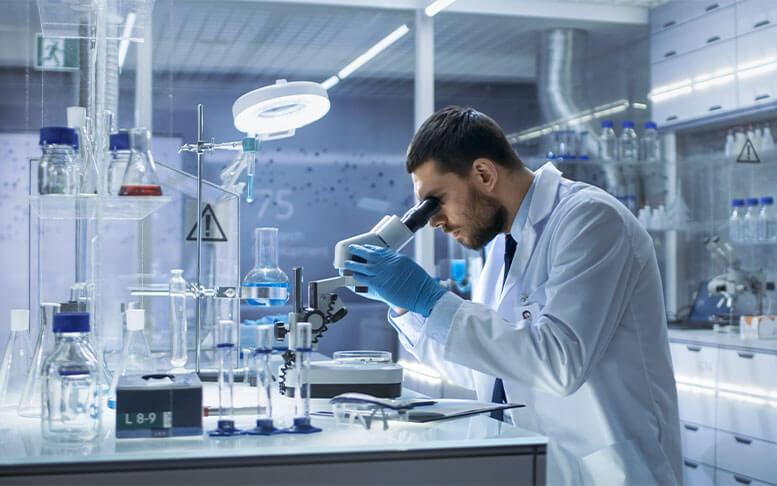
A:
(140, 178)
(29, 405)
(57, 169)
(87, 165)
(135, 351)
(178, 351)
(72, 397)
(266, 284)
(120, 156)
(16, 360)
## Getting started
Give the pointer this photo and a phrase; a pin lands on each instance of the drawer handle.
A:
(692, 428)
(714, 108)
(742, 440)
(742, 480)
(713, 39)
(762, 97)
(761, 23)
(670, 54)
(694, 349)
(711, 7)
(669, 24)
(671, 118)
(690, 464)
(745, 355)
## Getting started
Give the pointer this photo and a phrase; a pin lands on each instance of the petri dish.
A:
(362, 357)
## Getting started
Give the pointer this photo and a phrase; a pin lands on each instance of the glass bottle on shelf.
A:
(608, 142)
(750, 221)
(178, 325)
(628, 145)
(735, 221)
(57, 169)
(30, 405)
(765, 227)
(72, 397)
(16, 360)
(140, 178)
(266, 284)
(651, 144)
(88, 175)
(120, 156)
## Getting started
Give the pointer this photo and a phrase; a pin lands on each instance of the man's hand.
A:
(395, 278)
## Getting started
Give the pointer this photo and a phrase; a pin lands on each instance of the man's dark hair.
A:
(454, 137)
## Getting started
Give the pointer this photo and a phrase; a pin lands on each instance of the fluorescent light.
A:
(756, 63)
(639, 106)
(436, 7)
(373, 51)
(755, 71)
(665, 95)
(672, 87)
(713, 82)
(129, 24)
(330, 82)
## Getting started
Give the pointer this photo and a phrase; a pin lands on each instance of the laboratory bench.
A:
(727, 391)
(469, 450)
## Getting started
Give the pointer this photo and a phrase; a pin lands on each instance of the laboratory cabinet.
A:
(727, 393)
(670, 15)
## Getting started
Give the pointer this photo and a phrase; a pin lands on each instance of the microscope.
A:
(324, 307)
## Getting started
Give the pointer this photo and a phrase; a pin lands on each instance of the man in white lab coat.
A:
(567, 316)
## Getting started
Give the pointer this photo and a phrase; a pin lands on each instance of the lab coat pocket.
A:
(619, 463)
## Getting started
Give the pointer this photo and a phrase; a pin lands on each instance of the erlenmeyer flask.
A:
(16, 360)
(140, 178)
(30, 406)
(266, 284)
(135, 353)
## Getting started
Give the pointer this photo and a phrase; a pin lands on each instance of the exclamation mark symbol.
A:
(207, 226)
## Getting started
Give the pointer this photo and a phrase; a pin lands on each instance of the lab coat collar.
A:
(545, 187)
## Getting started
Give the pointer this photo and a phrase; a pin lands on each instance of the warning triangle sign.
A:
(211, 228)
(748, 155)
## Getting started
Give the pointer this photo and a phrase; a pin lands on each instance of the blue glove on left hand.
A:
(396, 278)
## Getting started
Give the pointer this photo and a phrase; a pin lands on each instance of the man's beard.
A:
(486, 219)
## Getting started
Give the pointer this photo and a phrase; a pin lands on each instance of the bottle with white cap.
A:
(16, 360)
(135, 353)
(88, 173)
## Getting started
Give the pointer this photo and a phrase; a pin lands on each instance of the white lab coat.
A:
(592, 363)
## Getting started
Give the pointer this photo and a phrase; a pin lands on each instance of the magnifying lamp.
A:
(280, 108)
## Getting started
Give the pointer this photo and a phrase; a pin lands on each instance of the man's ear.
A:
(484, 174)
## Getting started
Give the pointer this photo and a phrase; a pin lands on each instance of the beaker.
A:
(140, 178)
(266, 284)
(30, 405)
(16, 360)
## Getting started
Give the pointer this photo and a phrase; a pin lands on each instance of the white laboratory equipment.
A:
(57, 169)
(628, 144)
(226, 344)
(736, 221)
(730, 145)
(264, 379)
(302, 353)
(88, 174)
(140, 178)
(120, 155)
(767, 140)
(71, 390)
(178, 325)
(266, 284)
(750, 221)
(608, 142)
(767, 221)
(135, 352)
(16, 360)
(650, 143)
(30, 405)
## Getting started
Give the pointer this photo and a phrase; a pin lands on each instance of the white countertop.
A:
(722, 340)
(22, 444)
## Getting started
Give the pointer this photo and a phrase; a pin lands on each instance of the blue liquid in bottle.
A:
(266, 294)
(266, 284)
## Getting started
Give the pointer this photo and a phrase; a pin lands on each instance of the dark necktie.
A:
(498, 395)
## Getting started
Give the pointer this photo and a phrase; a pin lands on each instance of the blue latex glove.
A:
(395, 278)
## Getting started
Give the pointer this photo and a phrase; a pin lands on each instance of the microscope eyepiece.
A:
(420, 214)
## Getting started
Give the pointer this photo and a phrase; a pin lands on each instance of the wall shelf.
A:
(66, 207)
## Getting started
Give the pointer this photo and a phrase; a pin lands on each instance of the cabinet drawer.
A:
(696, 474)
(696, 34)
(753, 15)
(747, 415)
(698, 443)
(694, 364)
(696, 404)
(728, 478)
(669, 14)
(748, 456)
(756, 56)
(747, 371)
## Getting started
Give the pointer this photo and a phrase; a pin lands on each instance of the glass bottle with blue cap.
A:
(119, 144)
(57, 169)
(71, 393)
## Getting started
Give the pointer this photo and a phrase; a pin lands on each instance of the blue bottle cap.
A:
(607, 124)
(767, 200)
(59, 136)
(737, 203)
(752, 201)
(628, 124)
(119, 141)
(71, 322)
(651, 124)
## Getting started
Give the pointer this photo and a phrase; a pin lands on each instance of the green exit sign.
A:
(56, 53)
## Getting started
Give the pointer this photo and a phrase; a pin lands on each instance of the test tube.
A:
(262, 354)
(225, 347)
(303, 344)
